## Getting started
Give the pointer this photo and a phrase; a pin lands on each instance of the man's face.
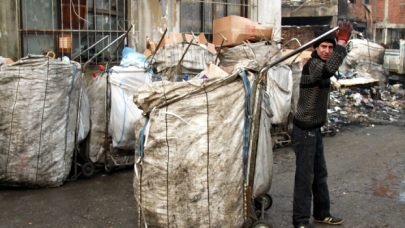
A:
(324, 50)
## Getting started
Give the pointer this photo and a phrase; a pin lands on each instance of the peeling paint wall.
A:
(150, 21)
(269, 14)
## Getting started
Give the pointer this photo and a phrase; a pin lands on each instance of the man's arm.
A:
(320, 70)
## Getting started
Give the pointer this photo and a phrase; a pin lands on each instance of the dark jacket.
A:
(315, 89)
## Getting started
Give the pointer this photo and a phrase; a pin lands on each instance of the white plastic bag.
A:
(264, 158)
(124, 113)
(279, 86)
(132, 58)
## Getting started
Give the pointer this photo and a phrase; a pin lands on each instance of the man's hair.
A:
(329, 38)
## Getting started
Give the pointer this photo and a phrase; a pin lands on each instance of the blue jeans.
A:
(310, 176)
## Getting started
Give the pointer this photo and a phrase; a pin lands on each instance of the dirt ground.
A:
(366, 182)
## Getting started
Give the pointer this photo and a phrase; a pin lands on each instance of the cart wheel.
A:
(262, 224)
(268, 202)
(109, 166)
(333, 131)
(88, 169)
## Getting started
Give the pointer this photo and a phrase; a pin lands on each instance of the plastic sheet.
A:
(132, 58)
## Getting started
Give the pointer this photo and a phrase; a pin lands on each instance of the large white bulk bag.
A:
(363, 50)
(124, 83)
(39, 110)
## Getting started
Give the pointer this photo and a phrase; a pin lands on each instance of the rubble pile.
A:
(367, 105)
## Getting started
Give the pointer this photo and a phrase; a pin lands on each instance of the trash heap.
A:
(363, 65)
(365, 95)
(367, 105)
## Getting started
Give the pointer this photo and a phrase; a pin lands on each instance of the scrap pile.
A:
(367, 105)
(363, 65)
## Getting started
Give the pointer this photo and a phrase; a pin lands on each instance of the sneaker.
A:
(330, 220)
(304, 225)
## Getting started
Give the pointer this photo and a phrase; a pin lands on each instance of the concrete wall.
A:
(8, 29)
(326, 11)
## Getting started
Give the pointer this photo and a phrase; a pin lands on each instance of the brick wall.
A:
(380, 10)
(303, 33)
(396, 11)
(356, 11)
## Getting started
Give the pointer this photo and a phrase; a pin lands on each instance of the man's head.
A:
(324, 50)
(326, 42)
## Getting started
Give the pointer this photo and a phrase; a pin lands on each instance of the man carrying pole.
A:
(311, 172)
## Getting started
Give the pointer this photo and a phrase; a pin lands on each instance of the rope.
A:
(208, 155)
(42, 121)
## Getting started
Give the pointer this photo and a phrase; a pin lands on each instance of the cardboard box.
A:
(304, 57)
(175, 38)
(211, 48)
(237, 29)
(147, 53)
(9, 61)
(202, 39)
(151, 44)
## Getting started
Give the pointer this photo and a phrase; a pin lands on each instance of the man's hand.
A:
(344, 31)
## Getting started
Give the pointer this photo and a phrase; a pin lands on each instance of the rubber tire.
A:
(109, 166)
(88, 169)
(333, 133)
(268, 200)
(262, 224)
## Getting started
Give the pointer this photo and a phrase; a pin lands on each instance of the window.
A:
(366, 2)
(68, 27)
(351, 1)
(197, 16)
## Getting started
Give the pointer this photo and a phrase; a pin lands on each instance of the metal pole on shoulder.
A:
(296, 51)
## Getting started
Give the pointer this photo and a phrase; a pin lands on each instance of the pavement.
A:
(366, 180)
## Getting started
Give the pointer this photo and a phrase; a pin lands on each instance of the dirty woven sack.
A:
(361, 50)
(97, 96)
(191, 155)
(280, 86)
(264, 157)
(194, 61)
(39, 112)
